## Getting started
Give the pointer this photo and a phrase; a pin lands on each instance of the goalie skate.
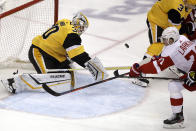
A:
(140, 82)
(175, 122)
(8, 84)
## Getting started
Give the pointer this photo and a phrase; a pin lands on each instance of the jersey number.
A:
(191, 53)
(50, 31)
(181, 7)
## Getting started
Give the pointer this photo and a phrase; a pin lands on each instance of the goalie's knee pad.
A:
(96, 69)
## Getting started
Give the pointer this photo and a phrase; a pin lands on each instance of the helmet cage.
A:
(80, 22)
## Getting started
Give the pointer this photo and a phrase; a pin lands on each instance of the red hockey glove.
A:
(134, 71)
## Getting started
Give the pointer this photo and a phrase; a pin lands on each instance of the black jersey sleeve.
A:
(72, 39)
(175, 17)
(81, 59)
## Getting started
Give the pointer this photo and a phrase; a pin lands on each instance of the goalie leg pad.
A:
(33, 82)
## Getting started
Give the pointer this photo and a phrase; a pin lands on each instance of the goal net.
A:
(20, 22)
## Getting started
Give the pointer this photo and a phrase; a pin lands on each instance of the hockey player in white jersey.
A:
(179, 52)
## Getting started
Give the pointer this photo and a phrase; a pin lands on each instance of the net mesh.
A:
(18, 29)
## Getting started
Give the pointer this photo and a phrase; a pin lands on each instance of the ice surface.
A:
(112, 24)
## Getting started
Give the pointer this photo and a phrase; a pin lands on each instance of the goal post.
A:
(20, 22)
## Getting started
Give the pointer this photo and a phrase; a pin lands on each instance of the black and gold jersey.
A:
(166, 13)
(61, 40)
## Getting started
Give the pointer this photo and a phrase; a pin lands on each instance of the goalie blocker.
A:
(96, 69)
(59, 82)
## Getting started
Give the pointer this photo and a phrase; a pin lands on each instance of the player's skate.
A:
(8, 84)
(175, 122)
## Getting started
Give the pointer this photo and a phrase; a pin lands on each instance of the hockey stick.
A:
(160, 78)
(54, 93)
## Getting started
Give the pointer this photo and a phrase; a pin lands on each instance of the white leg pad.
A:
(33, 82)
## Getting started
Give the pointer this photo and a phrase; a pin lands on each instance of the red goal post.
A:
(20, 22)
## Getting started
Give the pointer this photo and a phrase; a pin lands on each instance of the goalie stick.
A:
(160, 78)
(54, 93)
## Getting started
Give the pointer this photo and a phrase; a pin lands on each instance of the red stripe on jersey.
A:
(176, 102)
(148, 68)
(193, 67)
(162, 63)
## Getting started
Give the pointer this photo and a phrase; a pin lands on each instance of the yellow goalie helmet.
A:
(80, 22)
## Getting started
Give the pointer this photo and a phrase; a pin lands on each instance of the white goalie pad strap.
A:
(96, 68)
(33, 82)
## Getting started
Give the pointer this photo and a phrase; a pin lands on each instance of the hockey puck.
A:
(126, 45)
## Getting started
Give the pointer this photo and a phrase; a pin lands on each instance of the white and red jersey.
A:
(182, 54)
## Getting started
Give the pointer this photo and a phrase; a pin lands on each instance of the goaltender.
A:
(53, 52)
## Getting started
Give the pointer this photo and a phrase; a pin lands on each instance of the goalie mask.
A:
(170, 35)
(190, 4)
(80, 22)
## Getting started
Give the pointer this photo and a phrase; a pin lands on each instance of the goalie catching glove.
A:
(96, 69)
